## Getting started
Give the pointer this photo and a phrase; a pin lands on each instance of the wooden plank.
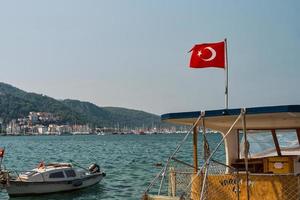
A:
(172, 182)
(160, 197)
(238, 142)
(276, 142)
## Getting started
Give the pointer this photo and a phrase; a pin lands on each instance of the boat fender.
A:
(94, 168)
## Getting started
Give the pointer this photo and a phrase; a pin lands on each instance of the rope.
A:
(214, 151)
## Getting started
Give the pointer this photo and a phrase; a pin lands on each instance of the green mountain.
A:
(113, 116)
(16, 103)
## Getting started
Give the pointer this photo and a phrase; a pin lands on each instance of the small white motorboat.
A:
(51, 178)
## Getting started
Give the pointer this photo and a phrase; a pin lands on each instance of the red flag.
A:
(208, 55)
(1, 153)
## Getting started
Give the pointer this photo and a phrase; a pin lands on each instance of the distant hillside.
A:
(16, 103)
(112, 116)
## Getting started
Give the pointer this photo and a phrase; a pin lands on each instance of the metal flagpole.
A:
(226, 75)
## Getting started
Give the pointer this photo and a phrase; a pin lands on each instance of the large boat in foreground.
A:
(50, 178)
(261, 162)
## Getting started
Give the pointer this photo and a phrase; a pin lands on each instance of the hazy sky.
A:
(133, 53)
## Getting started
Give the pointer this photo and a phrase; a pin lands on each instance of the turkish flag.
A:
(208, 55)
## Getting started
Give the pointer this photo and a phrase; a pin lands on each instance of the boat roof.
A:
(52, 166)
(267, 117)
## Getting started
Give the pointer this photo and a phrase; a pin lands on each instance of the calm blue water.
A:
(128, 160)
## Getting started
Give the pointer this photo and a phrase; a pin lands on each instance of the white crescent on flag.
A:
(213, 54)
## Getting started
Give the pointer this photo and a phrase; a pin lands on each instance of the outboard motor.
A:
(4, 178)
(94, 168)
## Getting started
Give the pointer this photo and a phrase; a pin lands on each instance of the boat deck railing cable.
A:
(212, 154)
(153, 181)
(176, 150)
(163, 170)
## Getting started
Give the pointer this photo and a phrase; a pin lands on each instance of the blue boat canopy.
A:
(267, 117)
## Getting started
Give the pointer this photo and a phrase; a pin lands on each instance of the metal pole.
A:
(226, 75)
(246, 151)
(195, 141)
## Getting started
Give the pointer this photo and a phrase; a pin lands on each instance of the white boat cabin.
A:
(51, 172)
(273, 136)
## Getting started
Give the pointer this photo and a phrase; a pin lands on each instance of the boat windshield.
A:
(29, 173)
(261, 143)
(288, 142)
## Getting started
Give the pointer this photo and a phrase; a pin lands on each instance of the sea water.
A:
(129, 161)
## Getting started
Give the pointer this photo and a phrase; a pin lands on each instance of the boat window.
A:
(70, 173)
(57, 175)
(288, 142)
(260, 144)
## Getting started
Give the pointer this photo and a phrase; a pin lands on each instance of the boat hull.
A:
(23, 188)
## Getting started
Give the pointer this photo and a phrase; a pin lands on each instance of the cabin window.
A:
(57, 175)
(70, 173)
(288, 141)
(260, 143)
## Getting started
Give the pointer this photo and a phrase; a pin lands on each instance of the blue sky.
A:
(133, 53)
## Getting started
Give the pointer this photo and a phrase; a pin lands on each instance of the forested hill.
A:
(16, 103)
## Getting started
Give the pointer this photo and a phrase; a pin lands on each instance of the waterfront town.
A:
(44, 123)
